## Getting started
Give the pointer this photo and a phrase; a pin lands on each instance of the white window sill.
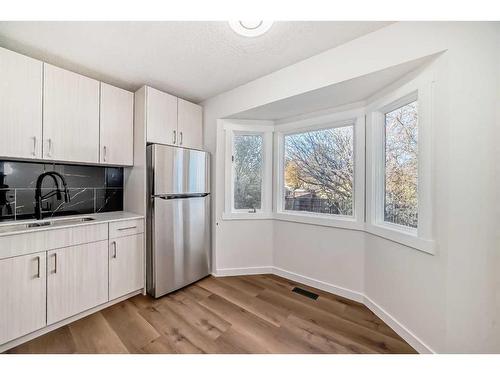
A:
(322, 220)
(403, 237)
(247, 216)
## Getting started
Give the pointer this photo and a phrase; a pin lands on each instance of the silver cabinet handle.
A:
(49, 151)
(175, 137)
(181, 139)
(126, 228)
(34, 146)
(105, 153)
(114, 249)
(38, 268)
(55, 263)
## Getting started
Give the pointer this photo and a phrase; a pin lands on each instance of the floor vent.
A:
(306, 293)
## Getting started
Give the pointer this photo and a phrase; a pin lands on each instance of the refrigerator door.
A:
(179, 170)
(180, 245)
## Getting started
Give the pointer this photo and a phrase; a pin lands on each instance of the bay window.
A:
(313, 170)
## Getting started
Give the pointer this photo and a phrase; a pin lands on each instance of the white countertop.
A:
(18, 227)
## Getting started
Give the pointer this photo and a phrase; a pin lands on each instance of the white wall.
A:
(472, 229)
(330, 255)
(243, 247)
(450, 301)
(409, 285)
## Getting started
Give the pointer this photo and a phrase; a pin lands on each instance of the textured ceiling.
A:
(193, 60)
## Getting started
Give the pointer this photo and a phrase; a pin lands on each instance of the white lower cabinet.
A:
(126, 265)
(81, 268)
(77, 279)
(22, 295)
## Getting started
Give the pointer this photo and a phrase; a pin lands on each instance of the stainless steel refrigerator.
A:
(178, 218)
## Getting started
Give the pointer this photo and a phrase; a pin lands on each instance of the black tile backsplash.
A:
(92, 189)
(109, 199)
(114, 178)
(7, 204)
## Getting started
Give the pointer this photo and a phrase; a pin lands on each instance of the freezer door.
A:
(180, 170)
(180, 243)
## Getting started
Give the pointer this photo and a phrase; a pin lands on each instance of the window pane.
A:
(401, 166)
(247, 171)
(319, 171)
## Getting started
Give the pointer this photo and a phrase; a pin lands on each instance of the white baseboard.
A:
(327, 287)
(399, 328)
(242, 271)
(390, 320)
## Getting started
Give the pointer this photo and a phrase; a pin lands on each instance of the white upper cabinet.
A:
(49, 113)
(70, 116)
(172, 121)
(117, 126)
(161, 117)
(189, 125)
(20, 106)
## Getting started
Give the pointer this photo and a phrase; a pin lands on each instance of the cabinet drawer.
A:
(126, 228)
(46, 239)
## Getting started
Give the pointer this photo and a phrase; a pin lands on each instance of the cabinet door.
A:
(126, 265)
(117, 126)
(190, 125)
(161, 117)
(77, 279)
(20, 106)
(70, 116)
(22, 295)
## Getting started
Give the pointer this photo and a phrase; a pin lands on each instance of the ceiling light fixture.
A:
(250, 28)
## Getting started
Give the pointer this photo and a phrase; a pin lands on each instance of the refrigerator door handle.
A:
(179, 196)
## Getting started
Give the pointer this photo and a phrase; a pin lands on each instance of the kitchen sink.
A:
(43, 224)
(40, 224)
(71, 220)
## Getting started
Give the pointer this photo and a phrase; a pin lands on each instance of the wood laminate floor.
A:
(240, 314)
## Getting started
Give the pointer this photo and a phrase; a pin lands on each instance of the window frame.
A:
(354, 118)
(248, 127)
(421, 238)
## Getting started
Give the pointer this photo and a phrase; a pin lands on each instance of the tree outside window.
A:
(401, 166)
(247, 171)
(319, 171)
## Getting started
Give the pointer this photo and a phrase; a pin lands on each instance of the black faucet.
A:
(57, 192)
